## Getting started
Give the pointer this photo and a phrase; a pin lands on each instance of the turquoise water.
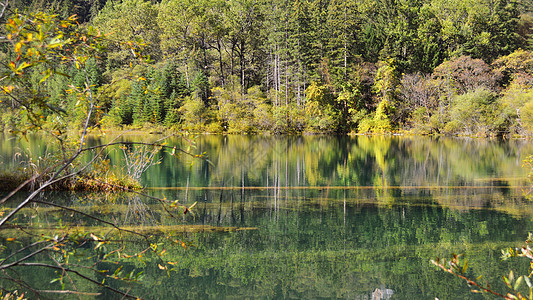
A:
(322, 217)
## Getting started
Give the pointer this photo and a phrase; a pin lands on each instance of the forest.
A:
(450, 67)
(293, 66)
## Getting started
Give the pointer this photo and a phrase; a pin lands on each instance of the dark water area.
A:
(315, 217)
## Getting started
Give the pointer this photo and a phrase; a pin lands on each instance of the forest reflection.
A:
(319, 217)
(313, 243)
(268, 161)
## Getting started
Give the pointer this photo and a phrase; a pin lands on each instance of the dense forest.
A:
(302, 66)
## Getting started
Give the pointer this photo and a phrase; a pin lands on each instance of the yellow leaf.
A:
(8, 89)
(10, 239)
(17, 47)
(30, 37)
(161, 267)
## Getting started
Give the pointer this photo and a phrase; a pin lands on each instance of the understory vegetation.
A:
(243, 66)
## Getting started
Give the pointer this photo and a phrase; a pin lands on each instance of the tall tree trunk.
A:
(222, 79)
(243, 65)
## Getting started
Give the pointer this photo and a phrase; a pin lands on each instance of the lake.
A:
(308, 216)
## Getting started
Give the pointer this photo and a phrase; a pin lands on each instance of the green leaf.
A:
(117, 271)
(507, 282)
(54, 280)
(518, 282)
(465, 266)
(528, 282)
(193, 205)
(209, 162)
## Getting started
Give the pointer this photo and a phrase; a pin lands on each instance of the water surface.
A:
(325, 217)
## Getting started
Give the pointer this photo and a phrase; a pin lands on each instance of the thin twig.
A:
(19, 282)
(68, 292)
(139, 143)
(50, 182)
(126, 189)
(16, 263)
(66, 274)
(80, 275)
(89, 216)
(21, 250)
(13, 192)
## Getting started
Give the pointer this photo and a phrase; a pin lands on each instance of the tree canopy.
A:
(285, 49)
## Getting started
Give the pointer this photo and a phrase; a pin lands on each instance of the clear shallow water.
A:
(333, 217)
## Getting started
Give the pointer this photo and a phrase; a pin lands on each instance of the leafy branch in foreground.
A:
(42, 47)
(520, 287)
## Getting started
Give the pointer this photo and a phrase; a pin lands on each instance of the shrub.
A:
(465, 74)
(382, 123)
(420, 121)
(366, 124)
(514, 105)
(527, 115)
(475, 113)
(192, 113)
(379, 121)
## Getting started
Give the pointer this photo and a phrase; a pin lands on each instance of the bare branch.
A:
(140, 143)
(4, 7)
(89, 216)
(13, 192)
(21, 250)
(80, 275)
(68, 292)
(16, 263)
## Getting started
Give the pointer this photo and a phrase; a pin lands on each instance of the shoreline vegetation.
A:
(9, 181)
(30, 172)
